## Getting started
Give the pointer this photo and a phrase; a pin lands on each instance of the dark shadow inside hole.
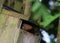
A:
(33, 30)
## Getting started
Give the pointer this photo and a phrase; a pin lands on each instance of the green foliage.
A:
(52, 41)
(40, 10)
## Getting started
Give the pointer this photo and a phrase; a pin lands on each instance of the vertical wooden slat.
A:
(59, 24)
(10, 3)
(27, 9)
(58, 32)
(18, 5)
(1, 4)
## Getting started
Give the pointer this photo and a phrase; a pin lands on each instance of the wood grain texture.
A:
(58, 32)
(1, 5)
(27, 9)
(8, 29)
(11, 33)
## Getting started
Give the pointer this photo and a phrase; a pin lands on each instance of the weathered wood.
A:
(14, 14)
(26, 14)
(9, 30)
(27, 9)
(18, 6)
(10, 2)
(1, 4)
(11, 13)
(58, 32)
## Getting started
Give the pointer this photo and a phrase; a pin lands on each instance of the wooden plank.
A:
(18, 5)
(9, 2)
(9, 30)
(16, 15)
(58, 32)
(13, 14)
(26, 14)
(27, 9)
(1, 4)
